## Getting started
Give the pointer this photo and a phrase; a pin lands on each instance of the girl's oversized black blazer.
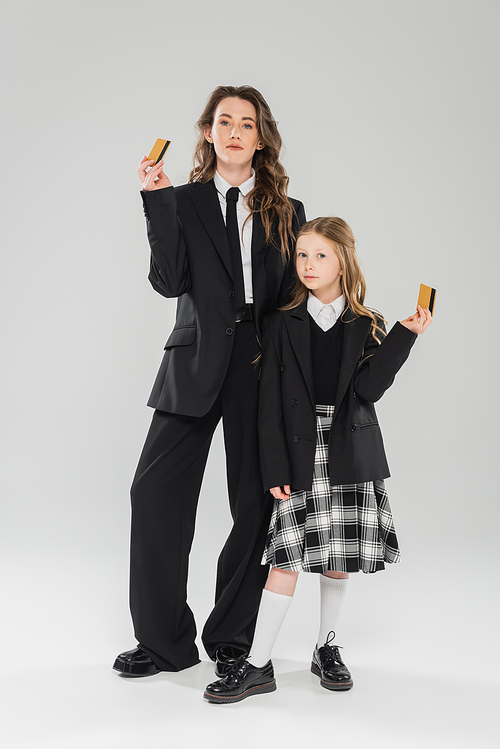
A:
(191, 260)
(287, 421)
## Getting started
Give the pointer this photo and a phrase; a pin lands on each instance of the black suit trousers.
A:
(164, 499)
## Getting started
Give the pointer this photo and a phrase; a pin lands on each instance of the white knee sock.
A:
(272, 611)
(332, 592)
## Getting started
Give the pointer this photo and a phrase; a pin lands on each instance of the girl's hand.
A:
(277, 492)
(156, 178)
(419, 322)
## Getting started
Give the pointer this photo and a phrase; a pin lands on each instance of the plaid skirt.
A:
(346, 528)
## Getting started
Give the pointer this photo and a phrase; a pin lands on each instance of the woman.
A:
(221, 244)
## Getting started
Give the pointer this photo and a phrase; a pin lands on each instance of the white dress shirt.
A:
(325, 315)
(242, 211)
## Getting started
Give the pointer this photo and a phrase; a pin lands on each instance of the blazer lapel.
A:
(297, 324)
(259, 249)
(355, 332)
(206, 202)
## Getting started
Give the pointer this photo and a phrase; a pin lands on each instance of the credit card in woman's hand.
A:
(158, 150)
(427, 297)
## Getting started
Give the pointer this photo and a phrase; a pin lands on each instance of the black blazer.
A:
(287, 421)
(190, 259)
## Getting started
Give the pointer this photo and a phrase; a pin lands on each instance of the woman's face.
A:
(318, 267)
(234, 132)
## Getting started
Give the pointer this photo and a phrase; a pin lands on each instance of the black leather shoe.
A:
(241, 682)
(135, 663)
(225, 656)
(329, 666)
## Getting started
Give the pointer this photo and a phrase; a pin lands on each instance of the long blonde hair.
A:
(269, 196)
(338, 233)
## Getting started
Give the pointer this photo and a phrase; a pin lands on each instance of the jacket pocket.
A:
(370, 425)
(181, 336)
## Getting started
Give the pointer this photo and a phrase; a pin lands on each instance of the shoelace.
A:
(237, 666)
(332, 650)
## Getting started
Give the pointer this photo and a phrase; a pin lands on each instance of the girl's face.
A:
(318, 267)
(234, 132)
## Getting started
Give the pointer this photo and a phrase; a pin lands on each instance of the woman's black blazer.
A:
(190, 259)
(287, 421)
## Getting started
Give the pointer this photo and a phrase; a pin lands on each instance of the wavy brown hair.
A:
(269, 196)
(352, 281)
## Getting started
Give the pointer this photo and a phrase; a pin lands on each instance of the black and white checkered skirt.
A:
(345, 528)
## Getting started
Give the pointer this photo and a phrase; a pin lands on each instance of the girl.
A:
(325, 347)
(221, 245)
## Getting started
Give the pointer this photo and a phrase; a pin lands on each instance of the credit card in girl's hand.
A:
(427, 297)
(158, 150)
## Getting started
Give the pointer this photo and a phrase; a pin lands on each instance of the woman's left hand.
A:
(419, 322)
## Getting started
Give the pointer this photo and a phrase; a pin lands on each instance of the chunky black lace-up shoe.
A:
(329, 666)
(241, 682)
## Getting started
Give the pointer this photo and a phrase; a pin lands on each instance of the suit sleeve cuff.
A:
(152, 199)
(403, 334)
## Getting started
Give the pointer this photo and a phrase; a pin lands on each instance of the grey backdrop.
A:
(389, 113)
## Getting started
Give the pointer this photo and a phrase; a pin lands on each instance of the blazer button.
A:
(229, 331)
(355, 395)
(353, 427)
(293, 403)
(283, 368)
(295, 438)
(231, 293)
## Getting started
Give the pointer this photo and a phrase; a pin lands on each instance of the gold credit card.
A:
(158, 150)
(427, 297)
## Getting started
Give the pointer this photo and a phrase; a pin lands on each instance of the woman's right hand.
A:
(155, 179)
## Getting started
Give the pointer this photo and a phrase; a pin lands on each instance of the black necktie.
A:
(233, 235)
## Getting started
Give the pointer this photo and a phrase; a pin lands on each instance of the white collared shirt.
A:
(325, 315)
(242, 211)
